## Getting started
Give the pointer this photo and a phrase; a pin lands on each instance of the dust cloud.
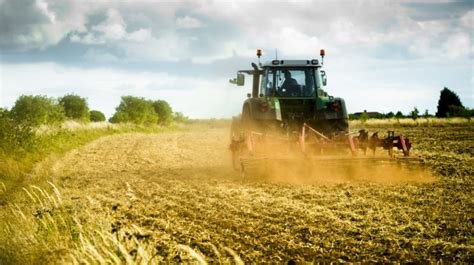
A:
(334, 172)
(277, 162)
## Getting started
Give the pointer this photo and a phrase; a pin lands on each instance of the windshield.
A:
(298, 82)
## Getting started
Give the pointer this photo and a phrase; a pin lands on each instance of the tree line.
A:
(17, 125)
(449, 105)
(37, 110)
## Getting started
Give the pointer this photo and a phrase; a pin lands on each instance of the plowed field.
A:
(177, 190)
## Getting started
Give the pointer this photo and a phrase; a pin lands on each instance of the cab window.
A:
(289, 82)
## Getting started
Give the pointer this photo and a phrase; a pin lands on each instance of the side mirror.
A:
(324, 78)
(240, 80)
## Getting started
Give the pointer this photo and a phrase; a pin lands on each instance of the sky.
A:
(380, 55)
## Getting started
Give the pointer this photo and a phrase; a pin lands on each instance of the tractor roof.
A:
(292, 63)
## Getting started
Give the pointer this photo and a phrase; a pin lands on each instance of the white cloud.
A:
(113, 28)
(139, 35)
(467, 20)
(303, 26)
(294, 43)
(458, 45)
(43, 7)
(168, 47)
(188, 22)
(41, 23)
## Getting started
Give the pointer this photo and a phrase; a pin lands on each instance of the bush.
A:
(14, 137)
(96, 116)
(75, 107)
(364, 116)
(136, 110)
(164, 111)
(457, 111)
(179, 117)
(37, 110)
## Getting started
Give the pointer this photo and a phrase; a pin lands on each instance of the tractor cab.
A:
(291, 80)
(290, 93)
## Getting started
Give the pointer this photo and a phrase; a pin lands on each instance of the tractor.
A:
(289, 111)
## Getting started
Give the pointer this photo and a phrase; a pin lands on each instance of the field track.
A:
(178, 188)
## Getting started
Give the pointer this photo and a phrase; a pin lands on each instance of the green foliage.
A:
(398, 115)
(179, 117)
(426, 114)
(447, 98)
(75, 107)
(37, 110)
(164, 111)
(15, 138)
(136, 110)
(389, 115)
(414, 113)
(96, 116)
(364, 116)
(458, 111)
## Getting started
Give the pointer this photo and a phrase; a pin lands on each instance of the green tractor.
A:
(289, 93)
(290, 110)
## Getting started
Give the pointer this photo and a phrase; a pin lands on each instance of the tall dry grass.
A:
(45, 229)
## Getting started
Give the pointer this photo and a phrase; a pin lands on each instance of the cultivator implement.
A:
(355, 142)
(309, 146)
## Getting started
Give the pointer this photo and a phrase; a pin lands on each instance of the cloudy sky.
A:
(380, 55)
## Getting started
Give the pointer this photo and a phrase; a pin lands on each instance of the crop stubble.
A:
(179, 188)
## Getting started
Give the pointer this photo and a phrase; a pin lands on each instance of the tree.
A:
(426, 114)
(447, 98)
(96, 116)
(364, 116)
(75, 107)
(37, 110)
(164, 111)
(398, 115)
(389, 115)
(179, 117)
(414, 113)
(14, 136)
(135, 109)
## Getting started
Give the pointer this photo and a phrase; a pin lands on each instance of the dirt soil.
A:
(179, 188)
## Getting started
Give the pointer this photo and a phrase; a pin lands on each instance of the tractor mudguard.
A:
(340, 113)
